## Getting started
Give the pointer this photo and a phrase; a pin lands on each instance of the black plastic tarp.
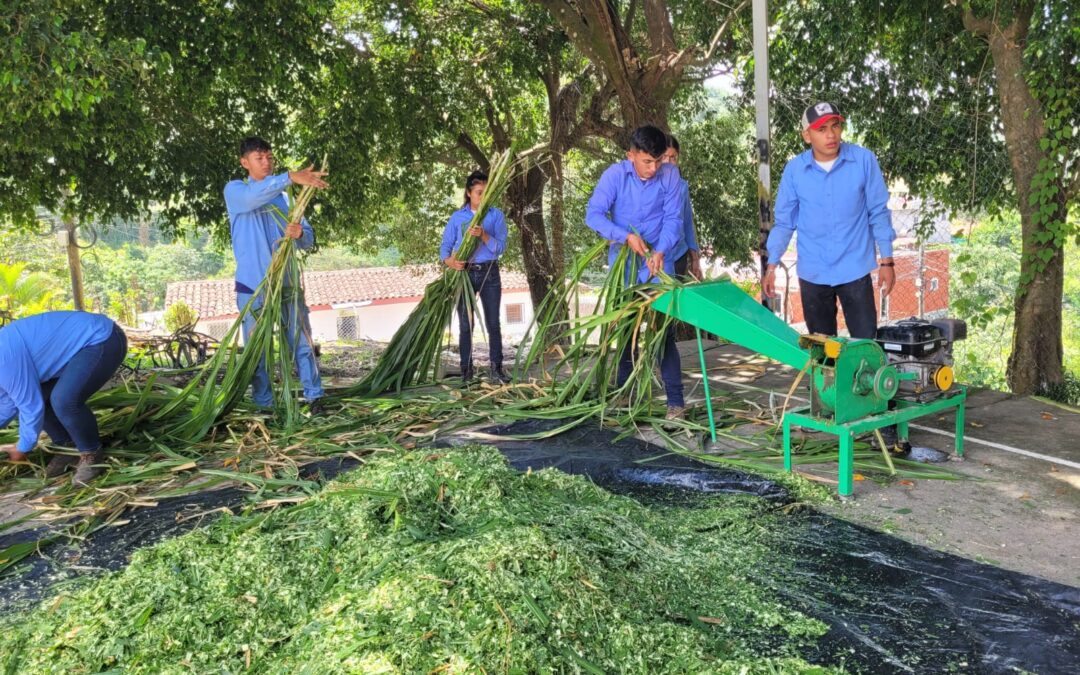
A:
(892, 606)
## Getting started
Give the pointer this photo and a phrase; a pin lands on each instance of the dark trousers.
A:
(68, 420)
(487, 283)
(856, 298)
(670, 368)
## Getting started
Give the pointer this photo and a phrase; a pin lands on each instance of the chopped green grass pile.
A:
(420, 563)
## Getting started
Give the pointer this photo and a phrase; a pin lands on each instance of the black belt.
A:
(481, 266)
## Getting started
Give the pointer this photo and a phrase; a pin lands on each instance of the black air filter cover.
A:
(910, 337)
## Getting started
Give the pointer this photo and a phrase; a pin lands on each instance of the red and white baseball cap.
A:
(818, 114)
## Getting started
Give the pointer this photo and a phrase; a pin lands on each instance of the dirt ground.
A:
(1020, 512)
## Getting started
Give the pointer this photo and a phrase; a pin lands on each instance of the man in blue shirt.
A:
(835, 197)
(690, 263)
(257, 209)
(50, 364)
(483, 270)
(637, 203)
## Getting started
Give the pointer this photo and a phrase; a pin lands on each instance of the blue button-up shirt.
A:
(34, 350)
(689, 236)
(623, 204)
(839, 214)
(454, 232)
(256, 227)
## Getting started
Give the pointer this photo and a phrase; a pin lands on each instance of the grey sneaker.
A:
(59, 464)
(675, 413)
(500, 376)
(89, 467)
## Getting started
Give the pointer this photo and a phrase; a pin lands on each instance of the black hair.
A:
(673, 142)
(253, 144)
(474, 178)
(650, 139)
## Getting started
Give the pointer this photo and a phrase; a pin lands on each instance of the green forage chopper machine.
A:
(855, 386)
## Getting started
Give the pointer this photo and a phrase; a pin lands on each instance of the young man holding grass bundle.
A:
(637, 204)
(255, 205)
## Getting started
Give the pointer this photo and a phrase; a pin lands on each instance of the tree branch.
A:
(658, 22)
(628, 20)
(465, 141)
(978, 26)
(719, 34)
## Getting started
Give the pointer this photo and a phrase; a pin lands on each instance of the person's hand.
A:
(453, 263)
(886, 277)
(476, 230)
(768, 282)
(14, 454)
(637, 245)
(656, 263)
(294, 230)
(694, 265)
(309, 176)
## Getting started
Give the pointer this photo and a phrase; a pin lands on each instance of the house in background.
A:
(358, 304)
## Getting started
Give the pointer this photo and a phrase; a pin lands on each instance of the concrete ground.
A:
(1023, 511)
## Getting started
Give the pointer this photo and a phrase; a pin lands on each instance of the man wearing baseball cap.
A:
(835, 197)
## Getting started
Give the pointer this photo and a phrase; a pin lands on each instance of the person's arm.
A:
(785, 215)
(244, 196)
(671, 228)
(307, 236)
(688, 219)
(449, 244)
(18, 378)
(877, 206)
(600, 205)
(496, 230)
(7, 410)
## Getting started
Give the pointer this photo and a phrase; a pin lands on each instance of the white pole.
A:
(764, 139)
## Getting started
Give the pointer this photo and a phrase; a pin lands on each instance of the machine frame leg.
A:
(787, 444)
(705, 384)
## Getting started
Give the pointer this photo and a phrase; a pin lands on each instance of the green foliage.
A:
(179, 315)
(24, 293)
(420, 563)
(142, 273)
(717, 160)
(984, 278)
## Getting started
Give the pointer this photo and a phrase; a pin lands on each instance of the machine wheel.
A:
(886, 382)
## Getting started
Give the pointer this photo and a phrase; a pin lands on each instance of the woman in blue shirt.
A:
(50, 364)
(483, 270)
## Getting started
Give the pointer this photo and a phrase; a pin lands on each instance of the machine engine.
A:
(922, 348)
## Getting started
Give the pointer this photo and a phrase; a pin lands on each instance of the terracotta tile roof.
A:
(216, 298)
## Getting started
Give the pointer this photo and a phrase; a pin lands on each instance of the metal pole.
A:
(764, 142)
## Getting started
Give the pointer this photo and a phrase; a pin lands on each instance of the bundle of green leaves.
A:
(421, 562)
(412, 357)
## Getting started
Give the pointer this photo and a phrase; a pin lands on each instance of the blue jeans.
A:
(670, 369)
(487, 282)
(298, 334)
(68, 420)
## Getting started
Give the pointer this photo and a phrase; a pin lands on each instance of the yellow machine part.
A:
(943, 378)
(832, 349)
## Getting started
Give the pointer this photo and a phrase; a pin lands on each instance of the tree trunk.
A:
(526, 194)
(558, 216)
(74, 263)
(1036, 359)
